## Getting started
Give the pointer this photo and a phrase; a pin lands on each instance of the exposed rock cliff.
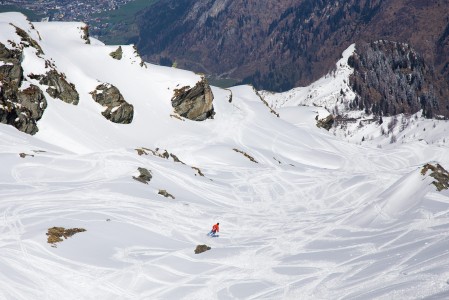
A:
(117, 109)
(194, 103)
(20, 108)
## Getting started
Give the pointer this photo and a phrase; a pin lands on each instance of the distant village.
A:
(69, 10)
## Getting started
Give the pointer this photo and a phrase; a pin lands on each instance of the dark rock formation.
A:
(28, 41)
(165, 194)
(326, 123)
(440, 175)
(144, 177)
(58, 86)
(117, 109)
(194, 103)
(85, 36)
(19, 108)
(201, 248)
(136, 53)
(117, 54)
(33, 100)
(392, 78)
(9, 55)
(246, 155)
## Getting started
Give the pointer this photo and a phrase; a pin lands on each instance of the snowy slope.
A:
(331, 91)
(315, 218)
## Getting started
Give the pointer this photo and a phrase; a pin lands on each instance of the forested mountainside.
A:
(277, 45)
(391, 78)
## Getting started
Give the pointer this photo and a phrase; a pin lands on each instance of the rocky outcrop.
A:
(325, 123)
(137, 55)
(194, 103)
(145, 175)
(85, 36)
(55, 234)
(201, 248)
(19, 108)
(9, 55)
(28, 41)
(58, 86)
(117, 54)
(392, 78)
(246, 155)
(166, 194)
(22, 109)
(440, 175)
(117, 109)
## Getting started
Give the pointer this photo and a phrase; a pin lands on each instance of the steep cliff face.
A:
(20, 106)
(391, 78)
(282, 44)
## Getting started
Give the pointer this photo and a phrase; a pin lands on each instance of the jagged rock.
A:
(19, 108)
(85, 36)
(246, 155)
(27, 40)
(326, 123)
(117, 54)
(11, 77)
(55, 234)
(33, 100)
(165, 194)
(117, 109)
(202, 248)
(59, 87)
(440, 175)
(26, 109)
(194, 103)
(9, 55)
(176, 159)
(144, 177)
(198, 170)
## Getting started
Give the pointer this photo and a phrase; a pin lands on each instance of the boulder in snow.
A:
(202, 248)
(194, 103)
(117, 109)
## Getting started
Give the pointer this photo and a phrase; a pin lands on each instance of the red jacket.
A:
(215, 228)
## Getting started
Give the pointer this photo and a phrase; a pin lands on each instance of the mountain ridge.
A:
(288, 44)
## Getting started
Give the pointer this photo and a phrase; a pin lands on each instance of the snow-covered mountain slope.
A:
(331, 91)
(311, 216)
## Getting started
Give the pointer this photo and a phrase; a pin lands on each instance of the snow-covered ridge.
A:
(303, 214)
(331, 91)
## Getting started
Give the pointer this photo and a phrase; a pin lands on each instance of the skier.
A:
(215, 229)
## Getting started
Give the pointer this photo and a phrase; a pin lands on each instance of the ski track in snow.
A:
(284, 232)
(315, 218)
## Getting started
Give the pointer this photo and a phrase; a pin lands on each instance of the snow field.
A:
(316, 217)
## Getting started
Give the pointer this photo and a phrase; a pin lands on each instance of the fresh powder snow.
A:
(313, 215)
